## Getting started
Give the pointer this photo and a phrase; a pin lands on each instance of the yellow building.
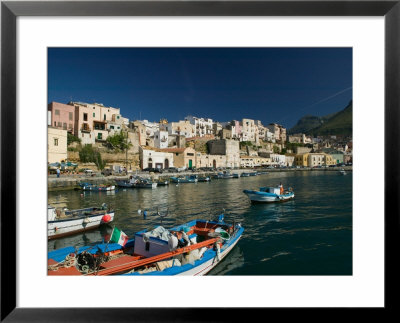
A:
(56, 145)
(314, 160)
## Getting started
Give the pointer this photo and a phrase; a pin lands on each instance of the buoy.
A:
(139, 211)
(106, 218)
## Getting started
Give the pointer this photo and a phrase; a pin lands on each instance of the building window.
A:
(94, 114)
(85, 117)
(70, 116)
(55, 141)
(70, 125)
(117, 117)
(100, 136)
(57, 112)
(65, 126)
(104, 117)
(55, 124)
(59, 124)
(111, 127)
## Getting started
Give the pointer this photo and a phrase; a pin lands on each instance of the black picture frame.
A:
(10, 10)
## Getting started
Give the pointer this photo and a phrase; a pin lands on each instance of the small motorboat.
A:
(269, 195)
(63, 222)
(203, 179)
(144, 183)
(342, 172)
(94, 187)
(185, 179)
(253, 174)
(236, 175)
(245, 174)
(190, 249)
(162, 182)
(125, 184)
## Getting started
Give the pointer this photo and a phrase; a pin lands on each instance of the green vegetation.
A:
(89, 155)
(72, 138)
(340, 123)
(119, 141)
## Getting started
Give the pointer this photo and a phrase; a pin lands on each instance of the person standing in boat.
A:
(281, 188)
(58, 172)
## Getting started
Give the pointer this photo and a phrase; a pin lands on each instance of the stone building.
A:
(278, 131)
(229, 148)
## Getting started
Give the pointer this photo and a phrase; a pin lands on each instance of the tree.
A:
(71, 138)
(89, 155)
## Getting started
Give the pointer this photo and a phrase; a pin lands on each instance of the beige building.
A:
(91, 120)
(183, 157)
(278, 131)
(249, 130)
(56, 145)
(182, 128)
(207, 160)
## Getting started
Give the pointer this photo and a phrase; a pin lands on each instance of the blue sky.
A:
(268, 84)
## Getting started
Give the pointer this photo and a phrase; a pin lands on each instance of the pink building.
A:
(62, 116)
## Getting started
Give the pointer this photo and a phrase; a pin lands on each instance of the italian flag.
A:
(119, 237)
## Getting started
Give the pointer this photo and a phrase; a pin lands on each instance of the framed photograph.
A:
(334, 59)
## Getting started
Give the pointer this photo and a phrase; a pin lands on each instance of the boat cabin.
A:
(272, 190)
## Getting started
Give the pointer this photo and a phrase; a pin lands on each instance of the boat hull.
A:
(97, 188)
(262, 197)
(69, 226)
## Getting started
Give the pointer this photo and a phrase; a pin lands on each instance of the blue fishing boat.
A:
(185, 179)
(245, 174)
(236, 175)
(253, 174)
(269, 195)
(191, 249)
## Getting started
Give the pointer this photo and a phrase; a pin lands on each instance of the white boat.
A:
(62, 222)
(342, 172)
(269, 195)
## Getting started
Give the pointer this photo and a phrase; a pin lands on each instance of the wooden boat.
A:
(93, 187)
(193, 248)
(67, 222)
(236, 175)
(269, 195)
(185, 179)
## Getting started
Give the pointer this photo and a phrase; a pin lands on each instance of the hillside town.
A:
(195, 142)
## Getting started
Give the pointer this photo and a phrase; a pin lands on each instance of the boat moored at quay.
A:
(64, 222)
(193, 248)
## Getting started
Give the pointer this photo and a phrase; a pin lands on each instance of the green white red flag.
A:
(119, 237)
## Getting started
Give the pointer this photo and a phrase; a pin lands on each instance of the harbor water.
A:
(310, 235)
